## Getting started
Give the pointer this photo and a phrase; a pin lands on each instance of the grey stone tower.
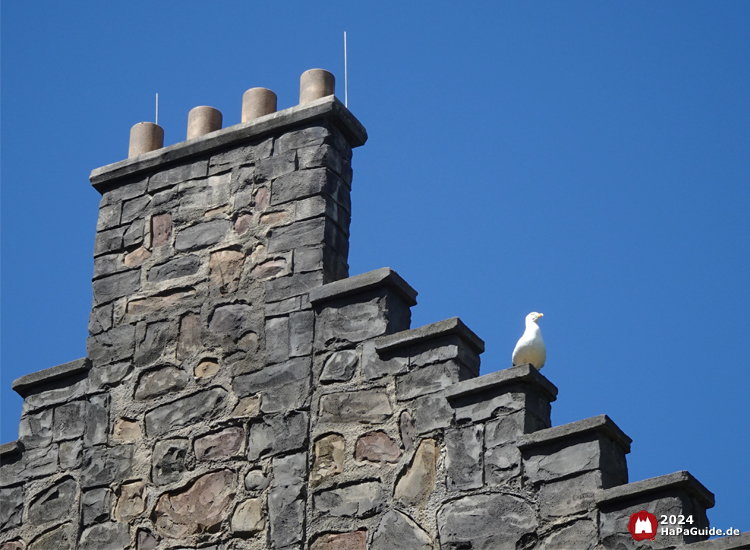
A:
(241, 391)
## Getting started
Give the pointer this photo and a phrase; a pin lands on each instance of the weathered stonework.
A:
(242, 392)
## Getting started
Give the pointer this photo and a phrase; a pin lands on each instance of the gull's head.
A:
(533, 317)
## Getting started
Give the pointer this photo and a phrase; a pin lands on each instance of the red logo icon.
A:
(642, 525)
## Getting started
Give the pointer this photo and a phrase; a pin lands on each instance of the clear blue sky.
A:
(589, 160)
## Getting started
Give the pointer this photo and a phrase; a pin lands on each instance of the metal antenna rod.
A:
(157, 107)
(346, 77)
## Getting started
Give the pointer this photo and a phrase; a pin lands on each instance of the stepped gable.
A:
(242, 391)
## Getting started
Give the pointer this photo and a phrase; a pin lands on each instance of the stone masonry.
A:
(241, 391)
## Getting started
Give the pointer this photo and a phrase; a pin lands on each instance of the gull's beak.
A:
(541, 315)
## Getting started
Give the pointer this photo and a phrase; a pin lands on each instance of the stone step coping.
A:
(451, 326)
(522, 373)
(601, 423)
(357, 284)
(278, 122)
(10, 448)
(678, 480)
(735, 542)
(23, 386)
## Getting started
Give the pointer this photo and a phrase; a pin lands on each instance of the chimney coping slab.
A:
(22, 386)
(677, 480)
(11, 448)
(280, 121)
(361, 283)
(454, 325)
(522, 373)
(601, 423)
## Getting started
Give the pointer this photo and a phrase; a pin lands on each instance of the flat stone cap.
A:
(324, 108)
(452, 326)
(26, 383)
(384, 276)
(679, 480)
(735, 542)
(522, 373)
(602, 424)
(11, 448)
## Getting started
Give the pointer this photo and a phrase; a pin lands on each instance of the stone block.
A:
(59, 538)
(507, 429)
(365, 406)
(377, 447)
(233, 320)
(200, 406)
(312, 136)
(36, 430)
(429, 379)
(136, 257)
(283, 387)
(223, 444)
(569, 496)
(116, 286)
(105, 536)
(104, 465)
(301, 330)
(248, 518)
(11, 507)
(113, 345)
(238, 156)
(304, 233)
(95, 506)
(39, 462)
(415, 486)
(126, 430)
(152, 342)
(396, 531)
(97, 420)
(353, 501)
(109, 241)
(134, 234)
(501, 464)
(109, 216)
(160, 381)
(286, 514)
(280, 265)
(178, 174)
(463, 462)
(173, 269)
(100, 319)
(376, 365)
(161, 230)
(353, 540)
(581, 535)
(168, 461)
(270, 168)
(199, 507)
(69, 420)
(146, 540)
(124, 190)
(225, 269)
(275, 434)
(135, 208)
(201, 235)
(486, 522)
(328, 457)
(355, 322)
(108, 264)
(54, 503)
(277, 339)
(340, 366)
(189, 341)
(130, 502)
(70, 454)
(407, 429)
(499, 401)
(256, 480)
(109, 375)
(284, 307)
(284, 288)
(432, 412)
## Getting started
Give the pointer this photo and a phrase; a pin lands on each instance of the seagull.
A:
(530, 347)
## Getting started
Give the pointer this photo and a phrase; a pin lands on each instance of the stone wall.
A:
(242, 392)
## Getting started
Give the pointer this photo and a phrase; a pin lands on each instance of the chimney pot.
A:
(145, 137)
(203, 120)
(314, 84)
(257, 102)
